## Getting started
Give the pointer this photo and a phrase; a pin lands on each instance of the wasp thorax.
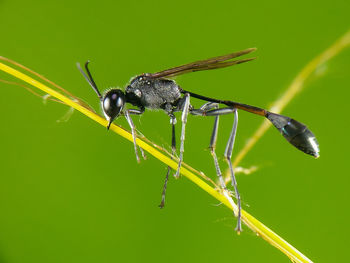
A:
(113, 103)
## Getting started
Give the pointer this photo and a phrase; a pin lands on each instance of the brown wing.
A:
(207, 64)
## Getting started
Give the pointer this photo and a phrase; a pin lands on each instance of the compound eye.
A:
(113, 103)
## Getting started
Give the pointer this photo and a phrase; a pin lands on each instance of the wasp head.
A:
(112, 104)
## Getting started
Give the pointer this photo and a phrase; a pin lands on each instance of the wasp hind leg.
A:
(211, 109)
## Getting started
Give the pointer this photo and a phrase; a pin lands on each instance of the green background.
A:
(73, 192)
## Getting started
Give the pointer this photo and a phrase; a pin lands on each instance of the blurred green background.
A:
(73, 192)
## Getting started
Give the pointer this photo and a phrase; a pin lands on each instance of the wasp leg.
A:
(173, 150)
(211, 109)
(185, 110)
(203, 111)
(212, 147)
(228, 155)
(132, 126)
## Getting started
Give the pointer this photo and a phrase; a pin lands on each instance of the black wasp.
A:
(157, 91)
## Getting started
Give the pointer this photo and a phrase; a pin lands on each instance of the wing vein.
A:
(207, 64)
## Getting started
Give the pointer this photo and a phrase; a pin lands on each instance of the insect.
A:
(157, 91)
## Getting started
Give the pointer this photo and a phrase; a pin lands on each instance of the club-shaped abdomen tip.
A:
(305, 141)
(296, 133)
